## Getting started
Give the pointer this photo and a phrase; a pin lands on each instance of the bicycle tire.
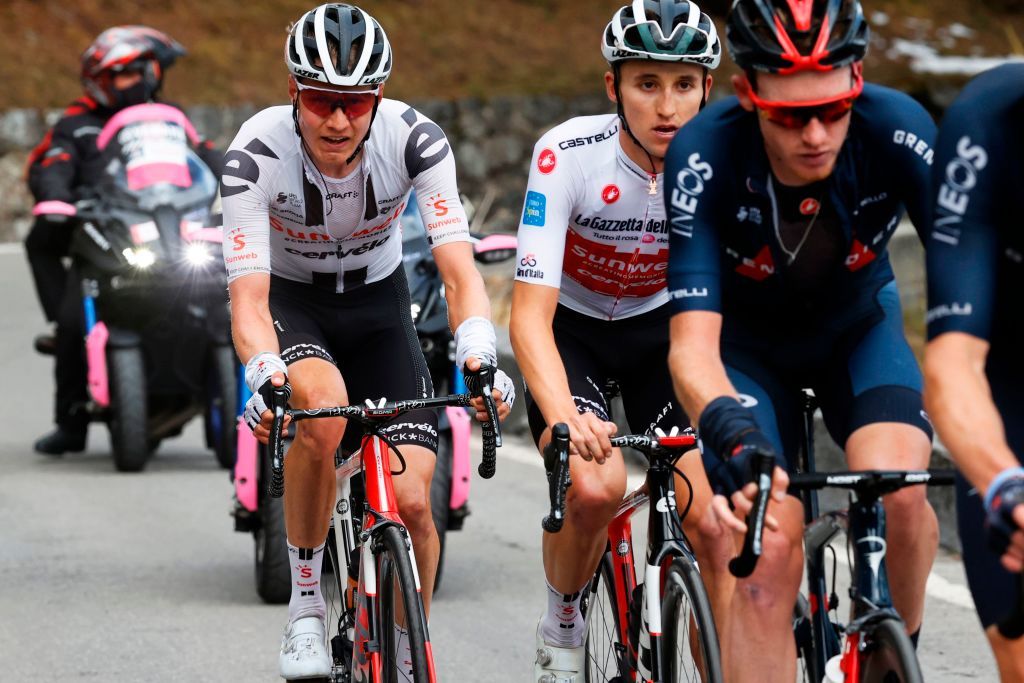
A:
(395, 571)
(606, 654)
(270, 543)
(687, 621)
(888, 655)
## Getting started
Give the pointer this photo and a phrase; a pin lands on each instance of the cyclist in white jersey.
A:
(589, 304)
(312, 202)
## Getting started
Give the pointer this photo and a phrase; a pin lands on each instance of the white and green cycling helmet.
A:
(664, 30)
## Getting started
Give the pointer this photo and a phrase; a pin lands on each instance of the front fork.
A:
(640, 626)
(367, 658)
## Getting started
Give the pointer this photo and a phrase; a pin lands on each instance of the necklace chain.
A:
(807, 231)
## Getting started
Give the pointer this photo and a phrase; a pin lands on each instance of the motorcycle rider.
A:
(123, 67)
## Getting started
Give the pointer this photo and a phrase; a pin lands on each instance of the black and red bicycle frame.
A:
(360, 629)
(642, 658)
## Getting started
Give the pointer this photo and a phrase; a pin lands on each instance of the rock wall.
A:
(492, 139)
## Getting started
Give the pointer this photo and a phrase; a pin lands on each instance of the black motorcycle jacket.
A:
(67, 162)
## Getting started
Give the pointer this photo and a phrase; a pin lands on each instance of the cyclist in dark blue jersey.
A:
(974, 370)
(781, 202)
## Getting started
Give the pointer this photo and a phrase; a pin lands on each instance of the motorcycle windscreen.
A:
(151, 155)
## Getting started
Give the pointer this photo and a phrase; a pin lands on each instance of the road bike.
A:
(873, 645)
(661, 629)
(375, 585)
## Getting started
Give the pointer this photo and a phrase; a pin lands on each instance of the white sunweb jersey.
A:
(281, 217)
(590, 224)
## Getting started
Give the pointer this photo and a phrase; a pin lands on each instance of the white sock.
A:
(563, 623)
(403, 652)
(307, 600)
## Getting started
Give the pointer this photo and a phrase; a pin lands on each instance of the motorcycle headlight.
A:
(198, 254)
(140, 257)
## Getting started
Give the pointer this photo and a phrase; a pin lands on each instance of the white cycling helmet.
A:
(338, 44)
(665, 30)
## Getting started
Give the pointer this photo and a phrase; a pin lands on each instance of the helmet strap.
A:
(622, 116)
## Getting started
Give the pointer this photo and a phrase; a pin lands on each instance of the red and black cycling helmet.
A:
(126, 48)
(787, 36)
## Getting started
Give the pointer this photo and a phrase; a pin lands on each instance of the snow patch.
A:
(925, 59)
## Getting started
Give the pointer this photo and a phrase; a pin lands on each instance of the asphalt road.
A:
(113, 577)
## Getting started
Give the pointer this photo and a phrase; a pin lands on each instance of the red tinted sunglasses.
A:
(322, 102)
(796, 115)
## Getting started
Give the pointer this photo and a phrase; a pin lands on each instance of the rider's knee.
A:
(778, 573)
(416, 513)
(320, 437)
(908, 508)
(593, 502)
(712, 537)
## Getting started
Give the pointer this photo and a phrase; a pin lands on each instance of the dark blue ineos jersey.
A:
(976, 278)
(976, 246)
(726, 254)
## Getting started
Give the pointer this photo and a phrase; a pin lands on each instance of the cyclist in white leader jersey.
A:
(312, 202)
(590, 301)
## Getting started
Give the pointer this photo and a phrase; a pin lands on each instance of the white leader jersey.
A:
(282, 216)
(591, 225)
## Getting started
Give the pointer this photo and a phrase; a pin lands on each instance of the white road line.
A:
(947, 591)
(7, 248)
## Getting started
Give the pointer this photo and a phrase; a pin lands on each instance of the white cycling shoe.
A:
(304, 650)
(557, 664)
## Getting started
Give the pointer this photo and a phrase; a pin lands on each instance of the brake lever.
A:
(480, 384)
(279, 400)
(556, 466)
(743, 565)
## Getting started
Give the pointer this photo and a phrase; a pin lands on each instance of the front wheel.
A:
(128, 413)
(690, 641)
(273, 573)
(399, 601)
(888, 655)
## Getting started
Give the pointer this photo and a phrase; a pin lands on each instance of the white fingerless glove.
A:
(258, 372)
(475, 337)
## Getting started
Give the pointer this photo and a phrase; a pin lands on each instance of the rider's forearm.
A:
(252, 328)
(959, 402)
(698, 373)
(533, 342)
(464, 289)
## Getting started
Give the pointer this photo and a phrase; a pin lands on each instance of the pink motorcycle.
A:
(263, 515)
(158, 343)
